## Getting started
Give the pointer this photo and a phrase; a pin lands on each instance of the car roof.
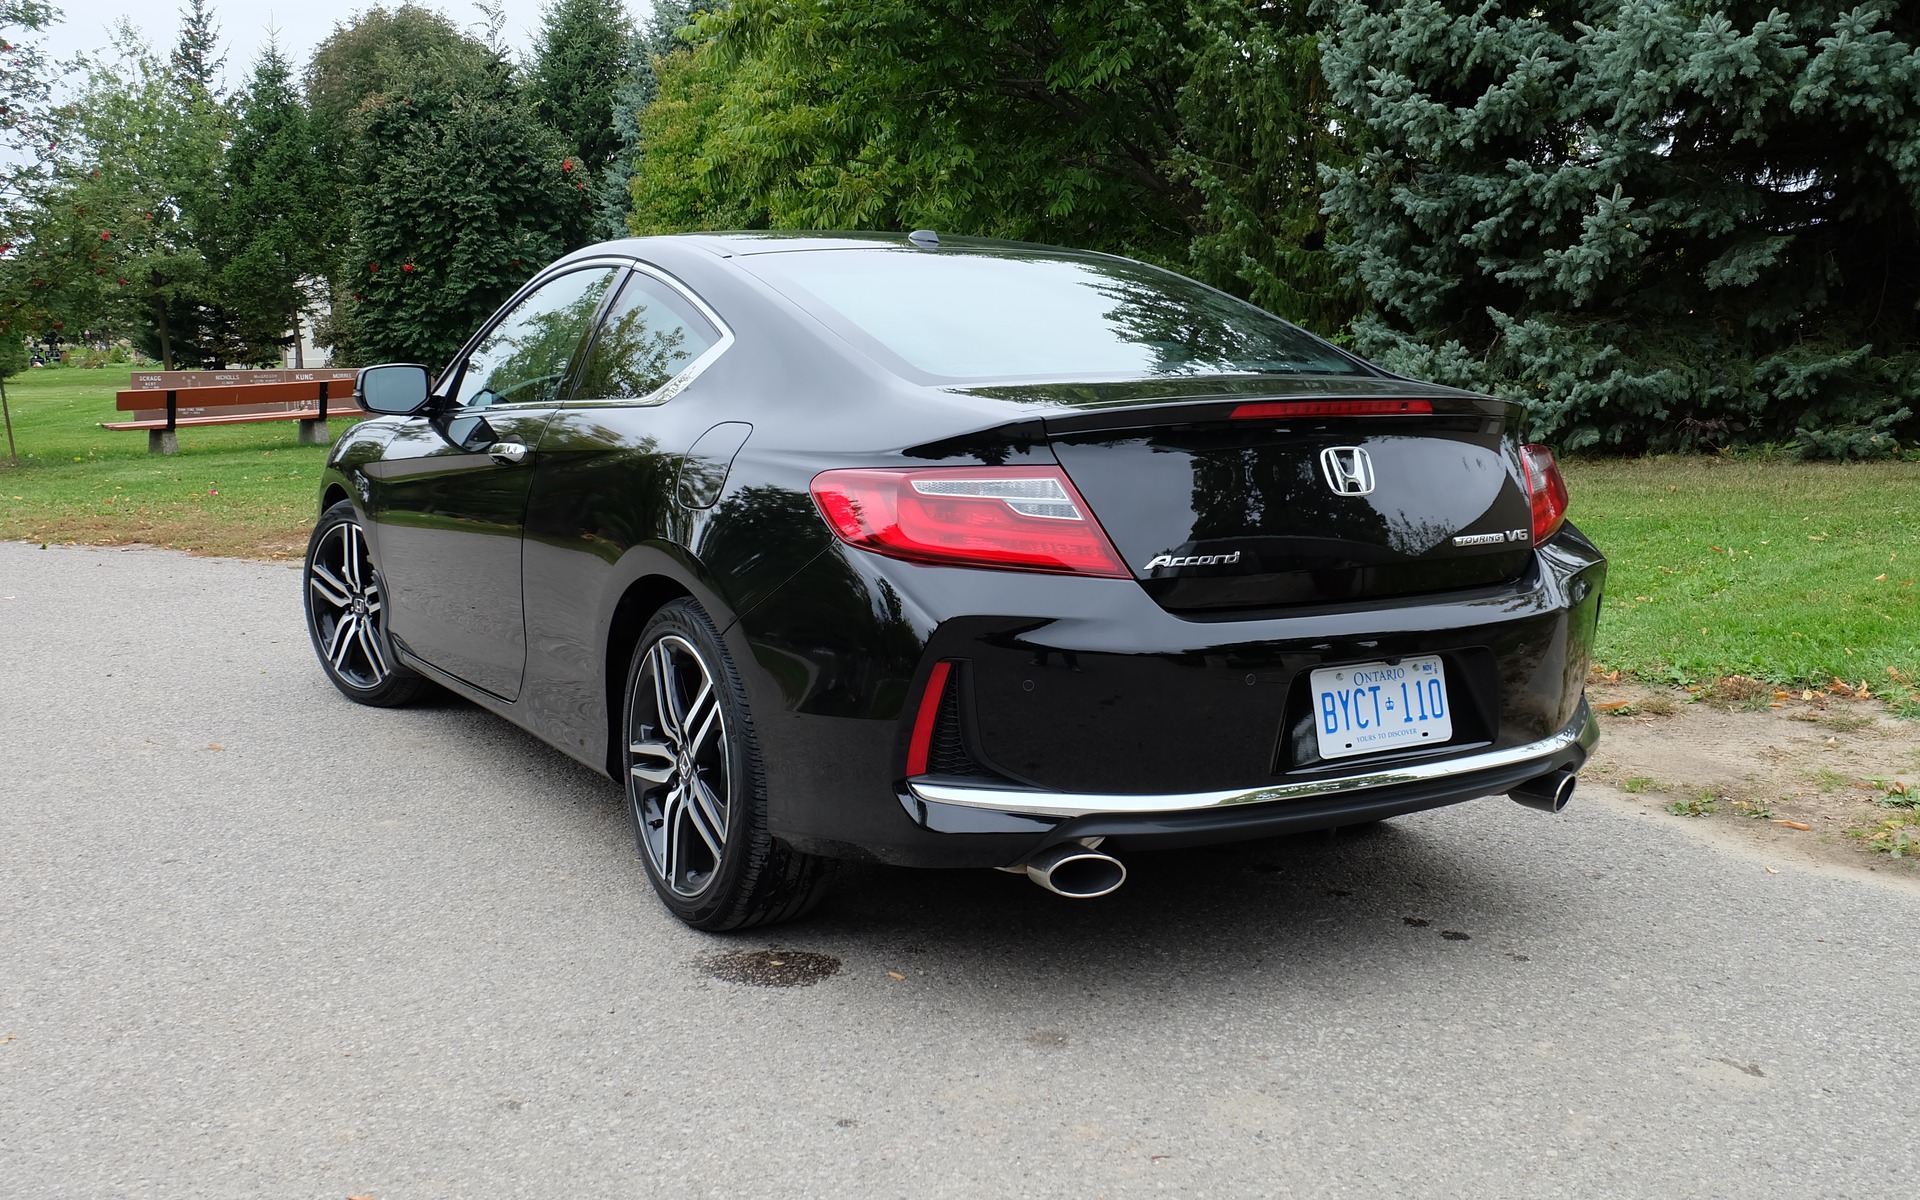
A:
(745, 242)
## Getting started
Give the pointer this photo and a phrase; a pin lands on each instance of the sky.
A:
(244, 25)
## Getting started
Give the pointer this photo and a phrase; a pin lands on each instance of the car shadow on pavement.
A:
(1418, 892)
(1415, 896)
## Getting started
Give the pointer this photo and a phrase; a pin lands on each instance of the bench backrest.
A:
(221, 389)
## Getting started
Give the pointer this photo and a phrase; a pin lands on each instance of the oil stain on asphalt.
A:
(768, 968)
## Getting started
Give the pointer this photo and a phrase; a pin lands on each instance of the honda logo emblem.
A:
(1348, 470)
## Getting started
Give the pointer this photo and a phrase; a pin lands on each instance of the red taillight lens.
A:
(1546, 489)
(1334, 408)
(1013, 518)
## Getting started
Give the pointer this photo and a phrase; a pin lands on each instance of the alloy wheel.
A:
(679, 781)
(348, 607)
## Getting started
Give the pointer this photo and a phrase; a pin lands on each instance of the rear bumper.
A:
(1583, 731)
(1157, 822)
(1095, 713)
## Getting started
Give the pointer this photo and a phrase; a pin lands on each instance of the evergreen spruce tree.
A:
(585, 54)
(612, 200)
(1665, 226)
(613, 191)
(275, 193)
(196, 60)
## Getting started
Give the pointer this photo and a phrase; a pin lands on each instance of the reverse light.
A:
(1010, 518)
(1546, 489)
(1332, 408)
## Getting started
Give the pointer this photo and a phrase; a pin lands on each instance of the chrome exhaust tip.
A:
(1548, 793)
(1075, 871)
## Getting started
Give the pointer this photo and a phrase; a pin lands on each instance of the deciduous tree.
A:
(1188, 134)
(460, 193)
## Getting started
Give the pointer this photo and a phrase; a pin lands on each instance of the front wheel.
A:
(347, 615)
(695, 790)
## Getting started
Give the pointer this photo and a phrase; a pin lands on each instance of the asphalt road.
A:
(256, 941)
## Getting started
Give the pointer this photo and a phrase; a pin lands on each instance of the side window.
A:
(524, 358)
(650, 335)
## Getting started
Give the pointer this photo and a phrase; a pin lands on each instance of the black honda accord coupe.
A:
(954, 553)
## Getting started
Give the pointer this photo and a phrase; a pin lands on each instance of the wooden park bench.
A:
(162, 401)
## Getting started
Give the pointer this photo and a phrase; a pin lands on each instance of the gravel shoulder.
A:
(1818, 776)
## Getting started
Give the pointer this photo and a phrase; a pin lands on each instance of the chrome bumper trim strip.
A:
(1583, 729)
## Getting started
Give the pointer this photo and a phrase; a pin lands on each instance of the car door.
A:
(610, 467)
(448, 497)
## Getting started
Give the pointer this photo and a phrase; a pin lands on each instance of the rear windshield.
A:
(969, 316)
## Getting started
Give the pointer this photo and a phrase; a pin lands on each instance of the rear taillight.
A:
(1333, 408)
(1546, 489)
(1012, 518)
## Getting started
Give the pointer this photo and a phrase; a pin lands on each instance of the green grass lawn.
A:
(233, 489)
(1792, 572)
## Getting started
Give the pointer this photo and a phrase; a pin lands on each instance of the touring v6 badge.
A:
(1493, 539)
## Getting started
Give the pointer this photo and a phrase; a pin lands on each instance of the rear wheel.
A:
(695, 790)
(347, 615)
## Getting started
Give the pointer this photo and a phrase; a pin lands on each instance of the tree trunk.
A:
(299, 350)
(7, 412)
(166, 343)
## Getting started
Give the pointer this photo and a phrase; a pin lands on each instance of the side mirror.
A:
(393, 389)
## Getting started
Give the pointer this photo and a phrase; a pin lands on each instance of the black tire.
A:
(709, 856)
(345, 603)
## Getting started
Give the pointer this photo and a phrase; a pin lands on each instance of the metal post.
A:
(314, 433)
(166, 441)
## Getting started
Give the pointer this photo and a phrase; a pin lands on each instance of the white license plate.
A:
(1369, 707)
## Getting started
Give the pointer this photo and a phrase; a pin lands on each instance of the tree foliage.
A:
(585, 53)
(381, 51)
(196, 60)
(120, 238)
(274, 204)
(1666, 225)
(27, 145)
(1007, 118)
(459, 194)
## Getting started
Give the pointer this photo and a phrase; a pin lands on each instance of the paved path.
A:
(256, 941)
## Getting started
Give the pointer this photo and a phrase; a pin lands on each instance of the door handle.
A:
(507, 454)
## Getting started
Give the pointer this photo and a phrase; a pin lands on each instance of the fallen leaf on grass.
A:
(1801, 825)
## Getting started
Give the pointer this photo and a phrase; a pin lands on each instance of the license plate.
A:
(1369, 707)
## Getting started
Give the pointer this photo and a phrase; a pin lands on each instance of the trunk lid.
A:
(1286, 504)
